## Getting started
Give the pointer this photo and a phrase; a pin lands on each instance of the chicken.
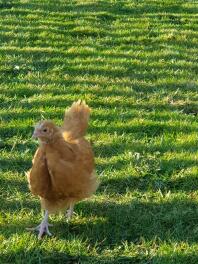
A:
(63, 171)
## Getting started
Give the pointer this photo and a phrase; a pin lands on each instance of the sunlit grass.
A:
(135, 64)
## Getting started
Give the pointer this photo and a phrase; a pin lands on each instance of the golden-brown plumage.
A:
(63, 170)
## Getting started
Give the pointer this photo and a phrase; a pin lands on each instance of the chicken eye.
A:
(45, 130)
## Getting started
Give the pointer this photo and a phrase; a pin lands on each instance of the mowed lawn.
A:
(135, 64)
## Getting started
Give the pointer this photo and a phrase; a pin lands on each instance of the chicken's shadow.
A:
(109, 223)
(62, 257)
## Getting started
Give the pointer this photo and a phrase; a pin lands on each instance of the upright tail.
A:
(76, 120)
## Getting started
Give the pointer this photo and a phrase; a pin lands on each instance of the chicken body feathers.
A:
(63, 170)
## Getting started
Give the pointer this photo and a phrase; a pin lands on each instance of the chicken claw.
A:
(43, 228)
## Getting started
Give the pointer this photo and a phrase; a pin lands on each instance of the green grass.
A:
(135, 63)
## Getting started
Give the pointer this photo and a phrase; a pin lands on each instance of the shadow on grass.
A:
(129, 113)
(15, 185)
(15, 165)
(149, 182)
(150, 177)
(134, 72)
(144, 130)
(174, 220)
(154, 172)
(147, 129)
(60, 258)
(187, 183)
(110, 225)
(67, 65)
(13, 206)
(113, 224)
(15, 196)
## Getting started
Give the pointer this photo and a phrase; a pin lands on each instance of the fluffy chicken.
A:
(63, 170)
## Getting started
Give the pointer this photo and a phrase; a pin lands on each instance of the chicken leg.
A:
(70, 212)
(43, 228)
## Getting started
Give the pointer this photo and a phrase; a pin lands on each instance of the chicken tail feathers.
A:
(76, 120)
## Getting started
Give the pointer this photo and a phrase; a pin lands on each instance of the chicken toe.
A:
(43, 228)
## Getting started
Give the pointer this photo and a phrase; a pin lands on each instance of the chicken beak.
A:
(35, 134)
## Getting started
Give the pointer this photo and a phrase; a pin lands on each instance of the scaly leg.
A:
(43, 228)
(70, 211)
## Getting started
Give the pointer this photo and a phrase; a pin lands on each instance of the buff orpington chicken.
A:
(63, 171)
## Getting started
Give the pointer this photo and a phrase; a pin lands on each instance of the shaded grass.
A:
(135, 64)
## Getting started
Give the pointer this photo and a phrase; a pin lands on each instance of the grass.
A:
(135, 63)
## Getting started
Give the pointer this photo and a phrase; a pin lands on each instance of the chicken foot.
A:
(43, 228)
